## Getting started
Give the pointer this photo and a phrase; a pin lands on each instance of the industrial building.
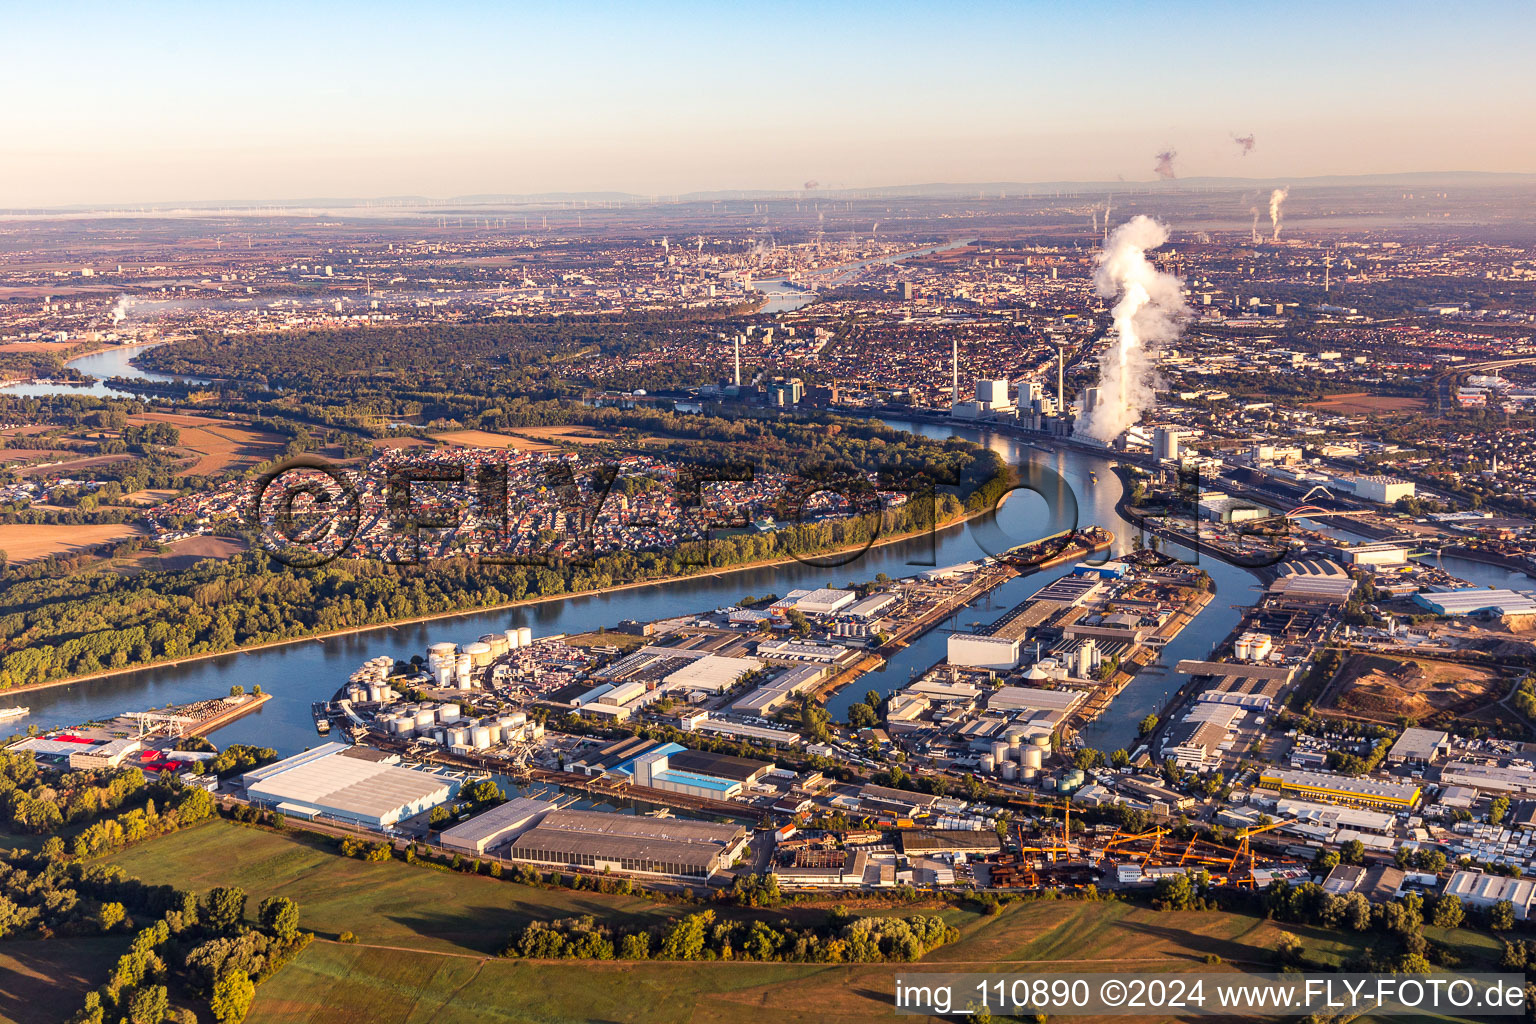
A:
(351, 784)
(1341, 789)
(1478, 601)
(1419, 746)
(824, 601)
(975, 650)
(496, 827)
(673, 847)
(98, 756)
(1480, 890)
(676, 769)
(1489, 778)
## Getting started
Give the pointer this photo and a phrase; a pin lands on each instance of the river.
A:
(102, 366)
(299, 673)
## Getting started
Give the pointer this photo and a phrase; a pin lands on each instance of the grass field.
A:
(387, 904)
(25, 542)
(426, 939)
(43, 981)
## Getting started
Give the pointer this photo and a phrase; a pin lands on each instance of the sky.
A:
(151, 103)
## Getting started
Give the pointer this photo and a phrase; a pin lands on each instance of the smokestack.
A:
(738, 359)
(1061, 379)
(1276, 200)
(1148, 312)
(954, 364)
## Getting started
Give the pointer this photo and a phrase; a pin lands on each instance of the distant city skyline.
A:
(171, 102)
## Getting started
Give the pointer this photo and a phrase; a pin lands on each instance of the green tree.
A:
(232, 997)
(280, 916)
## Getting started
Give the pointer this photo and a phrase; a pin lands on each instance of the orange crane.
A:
(1244, 851)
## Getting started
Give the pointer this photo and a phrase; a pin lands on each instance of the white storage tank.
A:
(425, 719)
(1029, 774)
(479, 654)
(375, 693)
(988, 763)
(458, 736)
(1010, 770)
(441, 653)
(999, 752)
(1042, 740)
(496, 734)
(497, 642)
(512, 640)
(1014, 738)
(480, 737)
(1034, 757)
(524, 636)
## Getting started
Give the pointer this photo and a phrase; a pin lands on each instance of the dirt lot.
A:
(1364, 404)
(216, 445)
(25, 542)
(1384, 689)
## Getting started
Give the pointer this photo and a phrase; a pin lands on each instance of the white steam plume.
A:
(1255, 211)
(1149, 312)
(1276, 200)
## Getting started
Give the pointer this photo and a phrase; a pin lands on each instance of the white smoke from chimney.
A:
(1255, 212)
(1149, 311)
(1276, 200)
(120, 309)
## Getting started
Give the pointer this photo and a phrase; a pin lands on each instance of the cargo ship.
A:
(322, 712)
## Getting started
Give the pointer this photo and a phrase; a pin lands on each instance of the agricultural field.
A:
(41, 978)
(1363, 403)
(26, 542)
(489, 439)
(216, 445)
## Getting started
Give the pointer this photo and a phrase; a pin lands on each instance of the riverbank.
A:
(321, 637)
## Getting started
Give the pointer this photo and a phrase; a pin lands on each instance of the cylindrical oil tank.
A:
(458, 736)
(405, 728)
(516, 718)
(479, 654)
(1029, 774)
(439, 653)
(988, 762)
(1048, 783)
(1034, 757)
(524, 636)
(375, 693)
(445, 675)
(480, 737)
(497, 642)
(425, 719)
(1010, 770)
(999, 752)
(448, 713)
(496, 732)
(1015, 737)
(512, 640)
(1042, 740)
(357, 693)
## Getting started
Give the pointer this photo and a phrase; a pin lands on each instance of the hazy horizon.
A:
(180, 103)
